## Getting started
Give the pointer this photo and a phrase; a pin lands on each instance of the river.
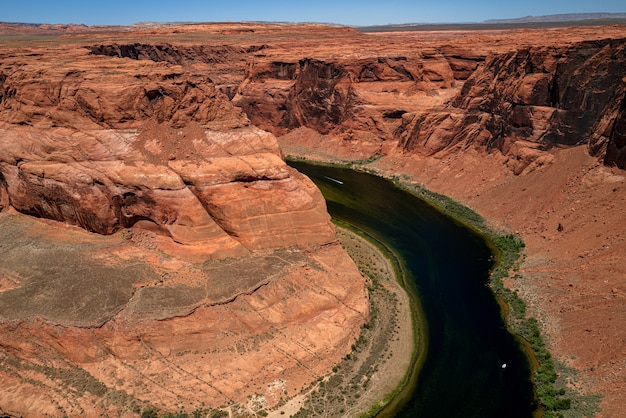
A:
(474, 367)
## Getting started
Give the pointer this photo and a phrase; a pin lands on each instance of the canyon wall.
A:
(528, 101)
(345, 98)
(520, 103)
(193, 257)
(520, 93)
(170, 257)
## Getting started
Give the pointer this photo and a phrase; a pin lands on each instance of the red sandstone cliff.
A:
(525, 102)
(335, 96)
(520, 102)
(203, 270)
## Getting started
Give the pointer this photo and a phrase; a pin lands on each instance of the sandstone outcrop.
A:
(178, 262)
(123, 148)
(221, 190)
(335, 96)
(520, 103)
(528, 101)
(94, 93)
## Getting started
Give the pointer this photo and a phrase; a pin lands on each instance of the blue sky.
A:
(350, 12)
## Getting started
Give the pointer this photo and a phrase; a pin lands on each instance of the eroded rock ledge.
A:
(177, 261)
(93, 325)
(228, 191)
(519, 102)
(528, 101)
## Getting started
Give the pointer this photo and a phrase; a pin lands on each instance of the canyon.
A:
(178, 261)
(151, 161)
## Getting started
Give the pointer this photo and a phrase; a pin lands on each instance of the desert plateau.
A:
(158, 255)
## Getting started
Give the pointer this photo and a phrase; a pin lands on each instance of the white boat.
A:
(335, 180)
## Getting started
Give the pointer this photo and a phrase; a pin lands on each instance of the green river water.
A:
(474, 367)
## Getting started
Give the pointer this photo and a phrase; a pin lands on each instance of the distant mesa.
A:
(546, 21)
(566, 17)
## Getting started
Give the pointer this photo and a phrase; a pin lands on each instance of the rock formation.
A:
(156, 163)
(94, 93)
(520, 102)
(328, 95)
(221, 190)
(119, 326)
(530, 100)
(215, 266)
(201, 271)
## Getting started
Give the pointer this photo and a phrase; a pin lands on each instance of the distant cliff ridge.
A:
(528, 22)
(564, 17)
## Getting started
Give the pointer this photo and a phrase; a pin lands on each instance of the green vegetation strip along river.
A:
(474, 365)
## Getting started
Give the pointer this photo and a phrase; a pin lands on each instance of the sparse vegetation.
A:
(342, 392)
(553, 396)
(197, 413)
(149, 413)
(508, 248)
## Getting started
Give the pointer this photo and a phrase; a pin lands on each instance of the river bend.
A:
(474, 367)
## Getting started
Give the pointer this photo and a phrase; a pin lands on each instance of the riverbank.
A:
(492, 198)
(408, 344)
(445, 260)
(366, 379)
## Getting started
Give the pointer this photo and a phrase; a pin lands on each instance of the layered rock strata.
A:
(520, 103)
(527, 101)
(344, 99)
(178, 262)
(228, 191)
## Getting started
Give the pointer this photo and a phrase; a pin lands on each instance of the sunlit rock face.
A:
(528, 101)
(157, 252)
(228, 189)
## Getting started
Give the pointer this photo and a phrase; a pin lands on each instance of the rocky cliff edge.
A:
(176, 261)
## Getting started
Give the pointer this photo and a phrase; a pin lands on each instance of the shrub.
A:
(149, 413)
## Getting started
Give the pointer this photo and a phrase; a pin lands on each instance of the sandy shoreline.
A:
(380, 358)
(390, 373)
